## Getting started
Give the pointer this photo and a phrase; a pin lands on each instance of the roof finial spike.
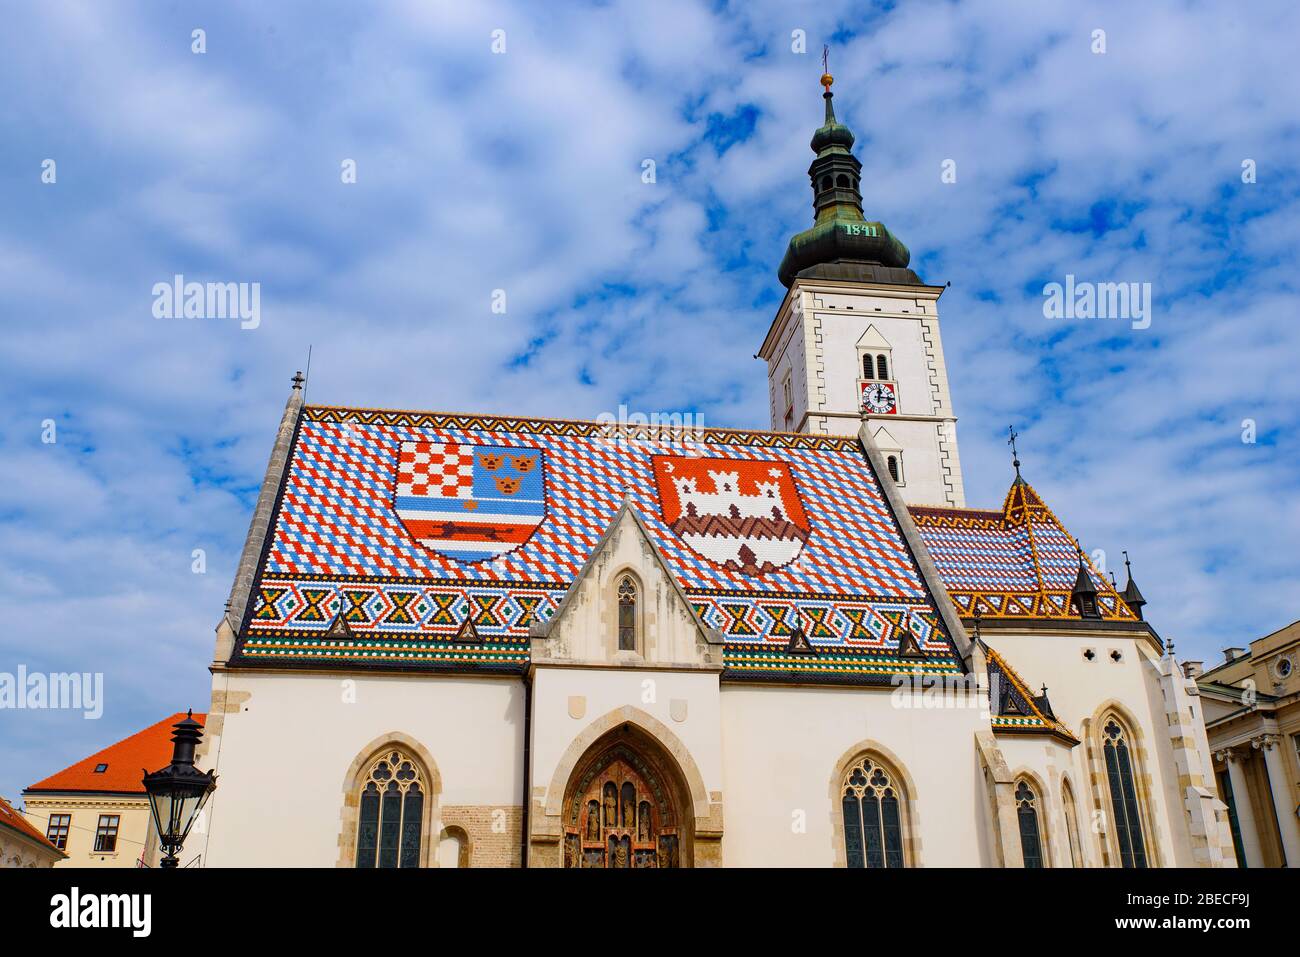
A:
(1015, 456)
(297, 380)
(826, 82)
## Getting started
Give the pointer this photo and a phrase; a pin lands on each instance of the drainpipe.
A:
(528, 765)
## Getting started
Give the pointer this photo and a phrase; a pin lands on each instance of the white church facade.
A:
(507, 641)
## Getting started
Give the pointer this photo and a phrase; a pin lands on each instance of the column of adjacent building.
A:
(1241, 804)
(1287, 824)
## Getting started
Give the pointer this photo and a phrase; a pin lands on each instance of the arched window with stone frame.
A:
(1033, 845)
(629, 613)
(1071, 824)
(873, 809)
(1119, 760)
(393, 793)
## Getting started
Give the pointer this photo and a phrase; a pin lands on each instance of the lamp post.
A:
(178, 792)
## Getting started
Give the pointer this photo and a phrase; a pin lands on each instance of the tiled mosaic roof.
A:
(402, 524)
(149, 749)
(1018, 562)
(1016, 709)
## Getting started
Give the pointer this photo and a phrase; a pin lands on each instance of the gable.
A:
(396, 523)
(584, 627)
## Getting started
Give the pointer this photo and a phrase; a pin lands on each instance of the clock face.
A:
(878, 398)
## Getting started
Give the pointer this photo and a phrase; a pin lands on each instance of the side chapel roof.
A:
(1018, 562)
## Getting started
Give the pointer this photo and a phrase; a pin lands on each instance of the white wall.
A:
(282, 758)
(781, 749)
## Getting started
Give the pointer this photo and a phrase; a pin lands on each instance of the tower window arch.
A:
(842, 181)
(1031, 833)
(628, 600)
(882, 367)
(868, 366)
(390, 820)
(871, 801)
(1117, 750)
(826, 182)
(892, 462)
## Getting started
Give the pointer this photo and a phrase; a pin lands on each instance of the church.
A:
(517, 642)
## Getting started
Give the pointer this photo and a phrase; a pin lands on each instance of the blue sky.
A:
(522, 172)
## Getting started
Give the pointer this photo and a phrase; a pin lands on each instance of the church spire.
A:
(842, 244)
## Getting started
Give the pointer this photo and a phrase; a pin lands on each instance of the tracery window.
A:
(873, 829)
(1031, 843)
(1123, 794)
(391, 818)
(627, 601)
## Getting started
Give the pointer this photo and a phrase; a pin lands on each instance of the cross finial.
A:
(1015, 456)
(1127, 567)
(297, 380)
(827, 79)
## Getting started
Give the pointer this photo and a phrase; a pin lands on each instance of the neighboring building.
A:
(22, 845)
(504, 641)
(97, 810)
(1252, 718)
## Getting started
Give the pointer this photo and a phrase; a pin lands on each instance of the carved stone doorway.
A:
(623, 807)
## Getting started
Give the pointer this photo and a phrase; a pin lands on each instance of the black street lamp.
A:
(178, 792)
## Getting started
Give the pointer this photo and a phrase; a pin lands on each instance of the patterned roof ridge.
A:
(125, 762)
(1038, 720)
(11, 817)
(404, 523)
(507, 423)
(1017, 563)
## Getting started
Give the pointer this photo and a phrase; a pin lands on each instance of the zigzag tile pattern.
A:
(337, 548)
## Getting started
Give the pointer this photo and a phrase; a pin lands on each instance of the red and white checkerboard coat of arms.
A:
(741, 514)
(470, 502)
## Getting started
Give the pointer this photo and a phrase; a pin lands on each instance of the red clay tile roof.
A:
(10, 817)
(149, 749)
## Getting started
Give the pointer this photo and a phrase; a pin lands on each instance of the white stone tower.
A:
(858, 334)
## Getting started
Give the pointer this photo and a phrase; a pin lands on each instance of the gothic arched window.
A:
(882, 368)
(1123, 794)
(873, 825)
(627, 597)
(390, 822)
(1031, 841)
(892, 462)
(1071, 824)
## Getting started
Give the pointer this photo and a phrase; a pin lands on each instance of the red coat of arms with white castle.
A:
(740, 514)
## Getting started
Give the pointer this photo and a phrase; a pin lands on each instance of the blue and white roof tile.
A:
(338, 548)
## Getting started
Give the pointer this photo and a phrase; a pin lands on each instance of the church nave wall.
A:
(788, 753)
(293, 749)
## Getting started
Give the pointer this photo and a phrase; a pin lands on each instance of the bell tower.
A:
(857, 335)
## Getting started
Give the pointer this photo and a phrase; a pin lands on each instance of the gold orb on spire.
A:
(827, 80)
